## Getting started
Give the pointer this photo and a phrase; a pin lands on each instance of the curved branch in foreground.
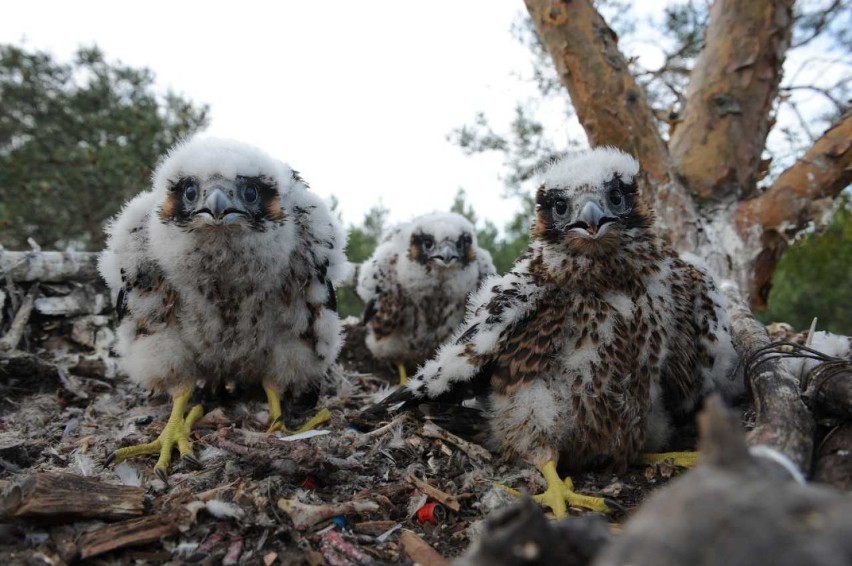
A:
(801, 194)
(731, 90)
(782, 420)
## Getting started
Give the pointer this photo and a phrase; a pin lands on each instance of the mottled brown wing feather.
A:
(531, 346)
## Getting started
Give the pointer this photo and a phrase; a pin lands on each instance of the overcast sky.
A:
(358, 96)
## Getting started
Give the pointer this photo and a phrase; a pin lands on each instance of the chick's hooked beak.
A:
(592, 220)
(219, 208)
(446, 254)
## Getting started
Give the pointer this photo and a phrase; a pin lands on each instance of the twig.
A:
(419, 551)
(474, 451)
(448, 500)
(16, 331)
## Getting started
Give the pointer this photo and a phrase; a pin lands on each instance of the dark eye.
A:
(616, 198)
(428, 243)
(250, 194)
(190, 193)
(560, 206)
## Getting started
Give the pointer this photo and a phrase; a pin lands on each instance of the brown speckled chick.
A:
(597, 338)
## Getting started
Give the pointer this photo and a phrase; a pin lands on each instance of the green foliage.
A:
(360, 244)
(814, 279)
(76, 140)
(504, 249)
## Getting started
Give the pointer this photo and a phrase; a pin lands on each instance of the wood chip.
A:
(68, 496)
(126, 533)
(449, 501)
(419, 551)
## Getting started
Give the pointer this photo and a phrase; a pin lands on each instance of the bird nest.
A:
(406, 490)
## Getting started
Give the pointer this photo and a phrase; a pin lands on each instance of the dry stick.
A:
(782, 420)
(16, 331)
(126, 533)
(474, 451)
(449, 501)
(419, 551)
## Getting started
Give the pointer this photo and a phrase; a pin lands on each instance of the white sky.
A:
(358, 96)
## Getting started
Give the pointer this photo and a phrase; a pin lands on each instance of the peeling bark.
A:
(798, 196)
(732, 87)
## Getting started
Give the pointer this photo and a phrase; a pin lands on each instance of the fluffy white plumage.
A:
(243, 293)
(597, 338)
(416, 285)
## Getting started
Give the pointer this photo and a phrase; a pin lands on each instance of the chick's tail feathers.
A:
(401, 399)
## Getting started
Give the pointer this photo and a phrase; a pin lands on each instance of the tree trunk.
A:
(732, 87)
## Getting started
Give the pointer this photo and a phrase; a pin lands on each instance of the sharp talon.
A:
(192, 461)
(161, 473)
(110, 459)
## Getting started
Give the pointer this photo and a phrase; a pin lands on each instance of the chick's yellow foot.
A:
(560, 494)
(682, 459)
(403, 375)
(276, 422)
(176, 432)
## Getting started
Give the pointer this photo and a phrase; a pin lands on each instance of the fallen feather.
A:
(302, 435)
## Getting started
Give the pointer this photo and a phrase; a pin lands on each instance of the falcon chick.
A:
(594, 342)
(416, 285)
(224, 270)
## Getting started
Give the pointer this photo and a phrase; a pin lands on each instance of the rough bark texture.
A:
(133, 532)
(610, 105)
(799, 195)
(782, 421)
(48, 266)
(732, 87)
(67, 496)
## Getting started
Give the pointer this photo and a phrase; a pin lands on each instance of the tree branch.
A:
(49, 266)
(793, 200)
(610, 105)
(735, 80)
